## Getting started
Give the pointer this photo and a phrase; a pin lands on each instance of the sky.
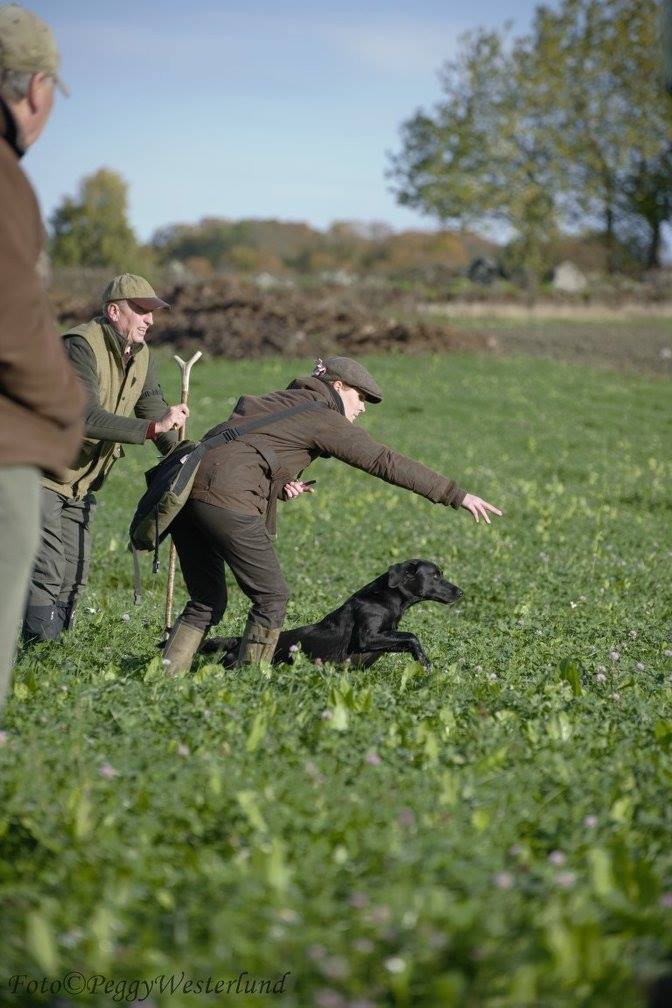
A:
(263, 109)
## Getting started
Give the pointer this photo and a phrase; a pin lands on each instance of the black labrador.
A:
(365, 626)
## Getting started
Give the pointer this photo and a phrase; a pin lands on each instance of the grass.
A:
(492, 834)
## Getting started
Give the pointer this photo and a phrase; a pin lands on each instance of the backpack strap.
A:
(226, 433)
(137, 577)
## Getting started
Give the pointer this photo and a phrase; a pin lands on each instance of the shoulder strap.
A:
(227, 433)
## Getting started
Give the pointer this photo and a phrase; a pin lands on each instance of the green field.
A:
(492, 834)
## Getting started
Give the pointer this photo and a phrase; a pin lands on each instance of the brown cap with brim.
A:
(351, 373)
(130, 287)
(27, 44)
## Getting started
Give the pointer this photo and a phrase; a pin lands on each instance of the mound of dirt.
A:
(234, 319)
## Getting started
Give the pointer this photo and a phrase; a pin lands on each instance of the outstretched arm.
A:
(335, 436)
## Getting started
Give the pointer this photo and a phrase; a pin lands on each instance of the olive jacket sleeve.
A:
(152, 405)
(105, 426)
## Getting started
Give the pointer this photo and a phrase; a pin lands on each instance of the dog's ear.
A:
(396, 574)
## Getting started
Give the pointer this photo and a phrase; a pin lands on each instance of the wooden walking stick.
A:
(185, 368)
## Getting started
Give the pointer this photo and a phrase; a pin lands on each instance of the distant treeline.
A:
(277, 247)
(92, 231)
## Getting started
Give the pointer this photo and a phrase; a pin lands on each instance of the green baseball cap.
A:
(130, 287)
(351, 373)
(27, 44)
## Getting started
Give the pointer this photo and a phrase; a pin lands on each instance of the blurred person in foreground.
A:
(41, 401)
(666, 44)
(125, 405)
(230, 515)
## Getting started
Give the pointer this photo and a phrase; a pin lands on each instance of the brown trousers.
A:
(208, 539)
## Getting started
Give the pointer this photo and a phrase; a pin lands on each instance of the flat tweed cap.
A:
(355, 375)
(27, 44)
(130, 287)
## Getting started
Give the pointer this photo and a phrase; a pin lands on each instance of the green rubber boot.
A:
(183, 643)
(257, 644)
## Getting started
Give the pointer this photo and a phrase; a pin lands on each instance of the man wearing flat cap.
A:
(125, 405)
(41, 401)
(231, 510)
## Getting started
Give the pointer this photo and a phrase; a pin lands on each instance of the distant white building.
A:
(267, 281)
(338, 276)
(568, 278)
(177, 272)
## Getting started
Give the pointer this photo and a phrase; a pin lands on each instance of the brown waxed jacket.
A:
(247, 475)
(41, 400)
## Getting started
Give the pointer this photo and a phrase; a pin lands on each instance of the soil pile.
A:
(234, 319)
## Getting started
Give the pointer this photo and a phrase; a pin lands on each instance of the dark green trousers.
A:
(61, 567)
(19, 538)
(208, 539)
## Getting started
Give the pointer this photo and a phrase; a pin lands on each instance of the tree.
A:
(558, 126)
(267, 244)
(601, 61)
(482, 157)
(647, 195)
(93, 229)
(667, 44)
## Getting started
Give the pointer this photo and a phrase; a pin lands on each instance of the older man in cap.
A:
(41, 401)
(125, 405)
(231, 510)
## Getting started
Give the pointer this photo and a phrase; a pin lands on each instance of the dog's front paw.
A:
(422, 659)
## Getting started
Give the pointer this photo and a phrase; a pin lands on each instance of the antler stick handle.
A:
(185, 370)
